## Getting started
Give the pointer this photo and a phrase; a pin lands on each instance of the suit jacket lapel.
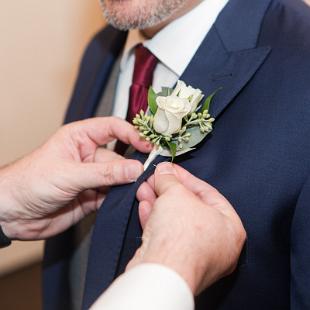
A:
(226, 64)
(227, 61)
(108, 236)
(94, 74)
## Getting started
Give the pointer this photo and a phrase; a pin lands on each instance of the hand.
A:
(54, 187)
(188, 226)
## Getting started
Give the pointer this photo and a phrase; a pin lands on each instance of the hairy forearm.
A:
(10, 204)
(6, 199)
(7, 203)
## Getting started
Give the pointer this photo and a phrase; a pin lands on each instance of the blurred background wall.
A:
(41, 43)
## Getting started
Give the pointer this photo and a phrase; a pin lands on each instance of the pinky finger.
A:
(145, 210)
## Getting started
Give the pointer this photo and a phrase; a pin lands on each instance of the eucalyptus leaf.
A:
(151, 99)
(167, 153)
(206, 105)
(196, 137)
(173, 149)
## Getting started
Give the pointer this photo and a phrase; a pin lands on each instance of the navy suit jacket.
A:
(258, 156)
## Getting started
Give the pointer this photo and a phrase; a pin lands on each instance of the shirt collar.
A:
(176, 44)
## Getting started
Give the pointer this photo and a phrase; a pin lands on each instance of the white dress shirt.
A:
(174, 46)
(147, 287)
(151, 286)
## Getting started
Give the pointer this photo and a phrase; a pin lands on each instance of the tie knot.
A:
(145, 64)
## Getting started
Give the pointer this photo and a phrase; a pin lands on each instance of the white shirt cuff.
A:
(147, 286)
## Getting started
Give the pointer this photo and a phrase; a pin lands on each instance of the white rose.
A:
(170, 112)
(194, 95)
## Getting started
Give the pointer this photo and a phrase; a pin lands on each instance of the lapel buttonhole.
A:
(219, 77)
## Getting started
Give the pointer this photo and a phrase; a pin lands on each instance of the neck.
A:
(188, 6)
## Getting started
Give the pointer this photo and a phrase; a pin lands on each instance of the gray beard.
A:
(144, 15)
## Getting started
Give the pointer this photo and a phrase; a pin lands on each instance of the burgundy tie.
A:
(145, 63)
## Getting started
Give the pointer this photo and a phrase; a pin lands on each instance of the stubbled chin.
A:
(142, 14)
(124, 15)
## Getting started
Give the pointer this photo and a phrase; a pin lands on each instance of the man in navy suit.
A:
(258, 155)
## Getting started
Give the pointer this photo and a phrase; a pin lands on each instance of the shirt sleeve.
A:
(147, 286)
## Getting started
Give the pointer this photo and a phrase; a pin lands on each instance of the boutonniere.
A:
(176, 120)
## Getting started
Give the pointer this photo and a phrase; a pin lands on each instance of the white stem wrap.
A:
(155, 152)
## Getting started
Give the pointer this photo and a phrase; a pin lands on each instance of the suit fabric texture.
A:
(258, 156)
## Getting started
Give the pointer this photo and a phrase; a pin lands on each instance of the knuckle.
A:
(178, 189)
(242, 236)
(213, 191)
(107, 174)
(65, 128)
(232, 267)
(240, 239)
(63, 131)
(237, 233)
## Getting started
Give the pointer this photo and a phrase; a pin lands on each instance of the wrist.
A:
(179, 258)
(8, 203)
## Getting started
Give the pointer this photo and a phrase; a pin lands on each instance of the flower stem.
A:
(154, 153)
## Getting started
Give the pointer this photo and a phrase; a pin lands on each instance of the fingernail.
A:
(133, 172)
(165, 168)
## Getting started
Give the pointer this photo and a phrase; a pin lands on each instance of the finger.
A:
(100, 199)
(192, 183)
(65, 218)
(146, 192)
(165, 178)
(103, 130)
(151, 182)
(145, 210)
(71, 214)
(168, 175)
(206, 192)
(93, 175)
(103, 155)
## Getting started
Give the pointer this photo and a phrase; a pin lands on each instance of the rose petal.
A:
(186, 92)
(174, 122)
(180, 85)
(197, 97)
(161, 122)
(161, 101)
(176, 105)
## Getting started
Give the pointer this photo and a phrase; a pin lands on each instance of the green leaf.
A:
(173, 149)
(166, 91)
(166, 153)
(151, 99)
(206, 105)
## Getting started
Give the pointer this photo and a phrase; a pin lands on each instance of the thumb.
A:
(165, 178)
(114, 172)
